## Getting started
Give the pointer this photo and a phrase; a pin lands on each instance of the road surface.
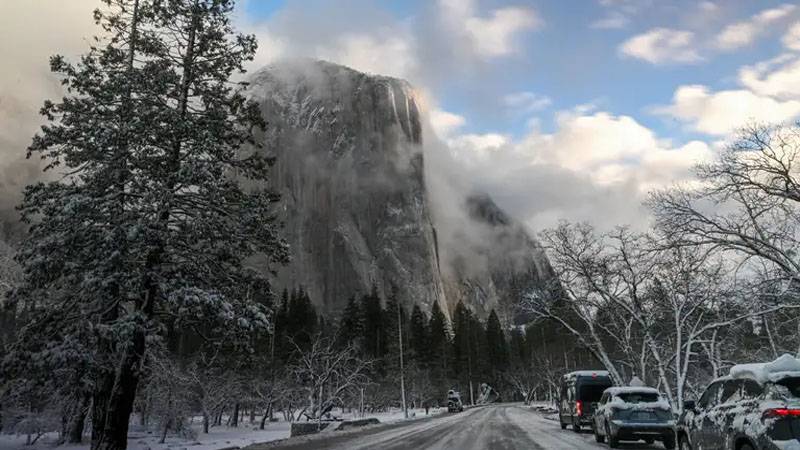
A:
(495, 427)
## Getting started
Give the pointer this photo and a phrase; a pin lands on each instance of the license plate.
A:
(643, 416)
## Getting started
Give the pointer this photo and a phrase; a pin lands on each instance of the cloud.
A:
(383, 53)
(778, 77)
(445, 123)
(791, 39)
(662, 46)
(595, 166)
(526, 102)
(491, 36)
(719, 113)
(25, 80)
(741, 34)
(613, 21)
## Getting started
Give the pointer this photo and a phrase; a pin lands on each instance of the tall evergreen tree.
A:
(394, 317)
(497, 348)
(350, 324)
(148, 221)
(372, 324)
(301, 322)
(419, 337)
(439, 343)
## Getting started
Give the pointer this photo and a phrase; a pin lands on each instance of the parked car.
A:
(756, 407)
(633, 414)
(454, 402)
(578, 396)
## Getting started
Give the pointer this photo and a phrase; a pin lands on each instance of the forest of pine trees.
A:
(440, 354)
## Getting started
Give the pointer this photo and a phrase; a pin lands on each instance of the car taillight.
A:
(773, 413)
(579, 408)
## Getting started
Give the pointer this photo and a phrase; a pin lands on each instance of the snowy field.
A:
(220, 437)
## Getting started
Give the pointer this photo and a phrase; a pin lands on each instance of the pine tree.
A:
(439, 343)
(496, 345)
(394, 312)
(302, 322)
(374, 337)
(419, 337)
(149, 221)
(350, 324)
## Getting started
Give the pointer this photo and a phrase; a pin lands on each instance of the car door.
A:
(699, 424)
(721, 416)
(599, 418)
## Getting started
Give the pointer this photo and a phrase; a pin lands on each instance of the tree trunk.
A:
(74, 419)
(205, 422)
(113, 431)
(235, 415)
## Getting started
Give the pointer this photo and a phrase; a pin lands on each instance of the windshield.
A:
(792, 385)
(638, 397)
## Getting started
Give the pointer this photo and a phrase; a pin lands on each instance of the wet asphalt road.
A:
(495, 427)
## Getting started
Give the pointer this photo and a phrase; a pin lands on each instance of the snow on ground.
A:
(217, 438)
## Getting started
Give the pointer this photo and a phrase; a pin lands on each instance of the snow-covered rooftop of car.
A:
(587, 373)
(631, 390)
(783, 367)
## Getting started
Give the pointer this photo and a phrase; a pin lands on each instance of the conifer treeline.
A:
(439, 354)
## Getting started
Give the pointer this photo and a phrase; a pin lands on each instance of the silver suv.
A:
(633, 414)
(757, 407)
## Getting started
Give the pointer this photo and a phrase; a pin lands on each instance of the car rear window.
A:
(792, 384)
(591, 392)
(638, 397)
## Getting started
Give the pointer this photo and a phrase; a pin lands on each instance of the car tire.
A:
(563, 425)
(685, 445)
(576, 427)
(597, 436)
(669, 443)
(613, 442)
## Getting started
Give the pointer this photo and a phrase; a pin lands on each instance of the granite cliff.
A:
(350, 151)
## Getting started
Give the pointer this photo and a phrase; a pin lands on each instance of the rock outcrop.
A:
(357, 213)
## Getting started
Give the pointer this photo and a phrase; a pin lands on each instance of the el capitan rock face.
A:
(357, 213)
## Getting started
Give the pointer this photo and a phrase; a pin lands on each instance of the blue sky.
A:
(572, 61)
(570, 109)
(584, 105)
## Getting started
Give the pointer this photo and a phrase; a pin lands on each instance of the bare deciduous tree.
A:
(326, 372)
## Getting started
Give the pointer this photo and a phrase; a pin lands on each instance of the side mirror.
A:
(689, 405)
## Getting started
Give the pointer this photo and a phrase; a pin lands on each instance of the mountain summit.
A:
(358, 212)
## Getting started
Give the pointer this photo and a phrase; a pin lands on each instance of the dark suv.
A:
(578, 397)
(744, 412)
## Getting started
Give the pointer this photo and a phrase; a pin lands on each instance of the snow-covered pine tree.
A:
(150, 219)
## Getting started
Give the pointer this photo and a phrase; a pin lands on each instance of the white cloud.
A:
(743, 33)
(381, 53)
(612, 21)
(661, 46)
(708, 7)
(595, 166)
(719, 113)
(444, 123)
(491, 36)
(791, 39)
(526, 102)
(778, 77)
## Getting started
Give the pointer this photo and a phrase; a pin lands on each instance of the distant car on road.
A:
(632, 414)
(578, 396)
(454, 402)
(756, 407)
